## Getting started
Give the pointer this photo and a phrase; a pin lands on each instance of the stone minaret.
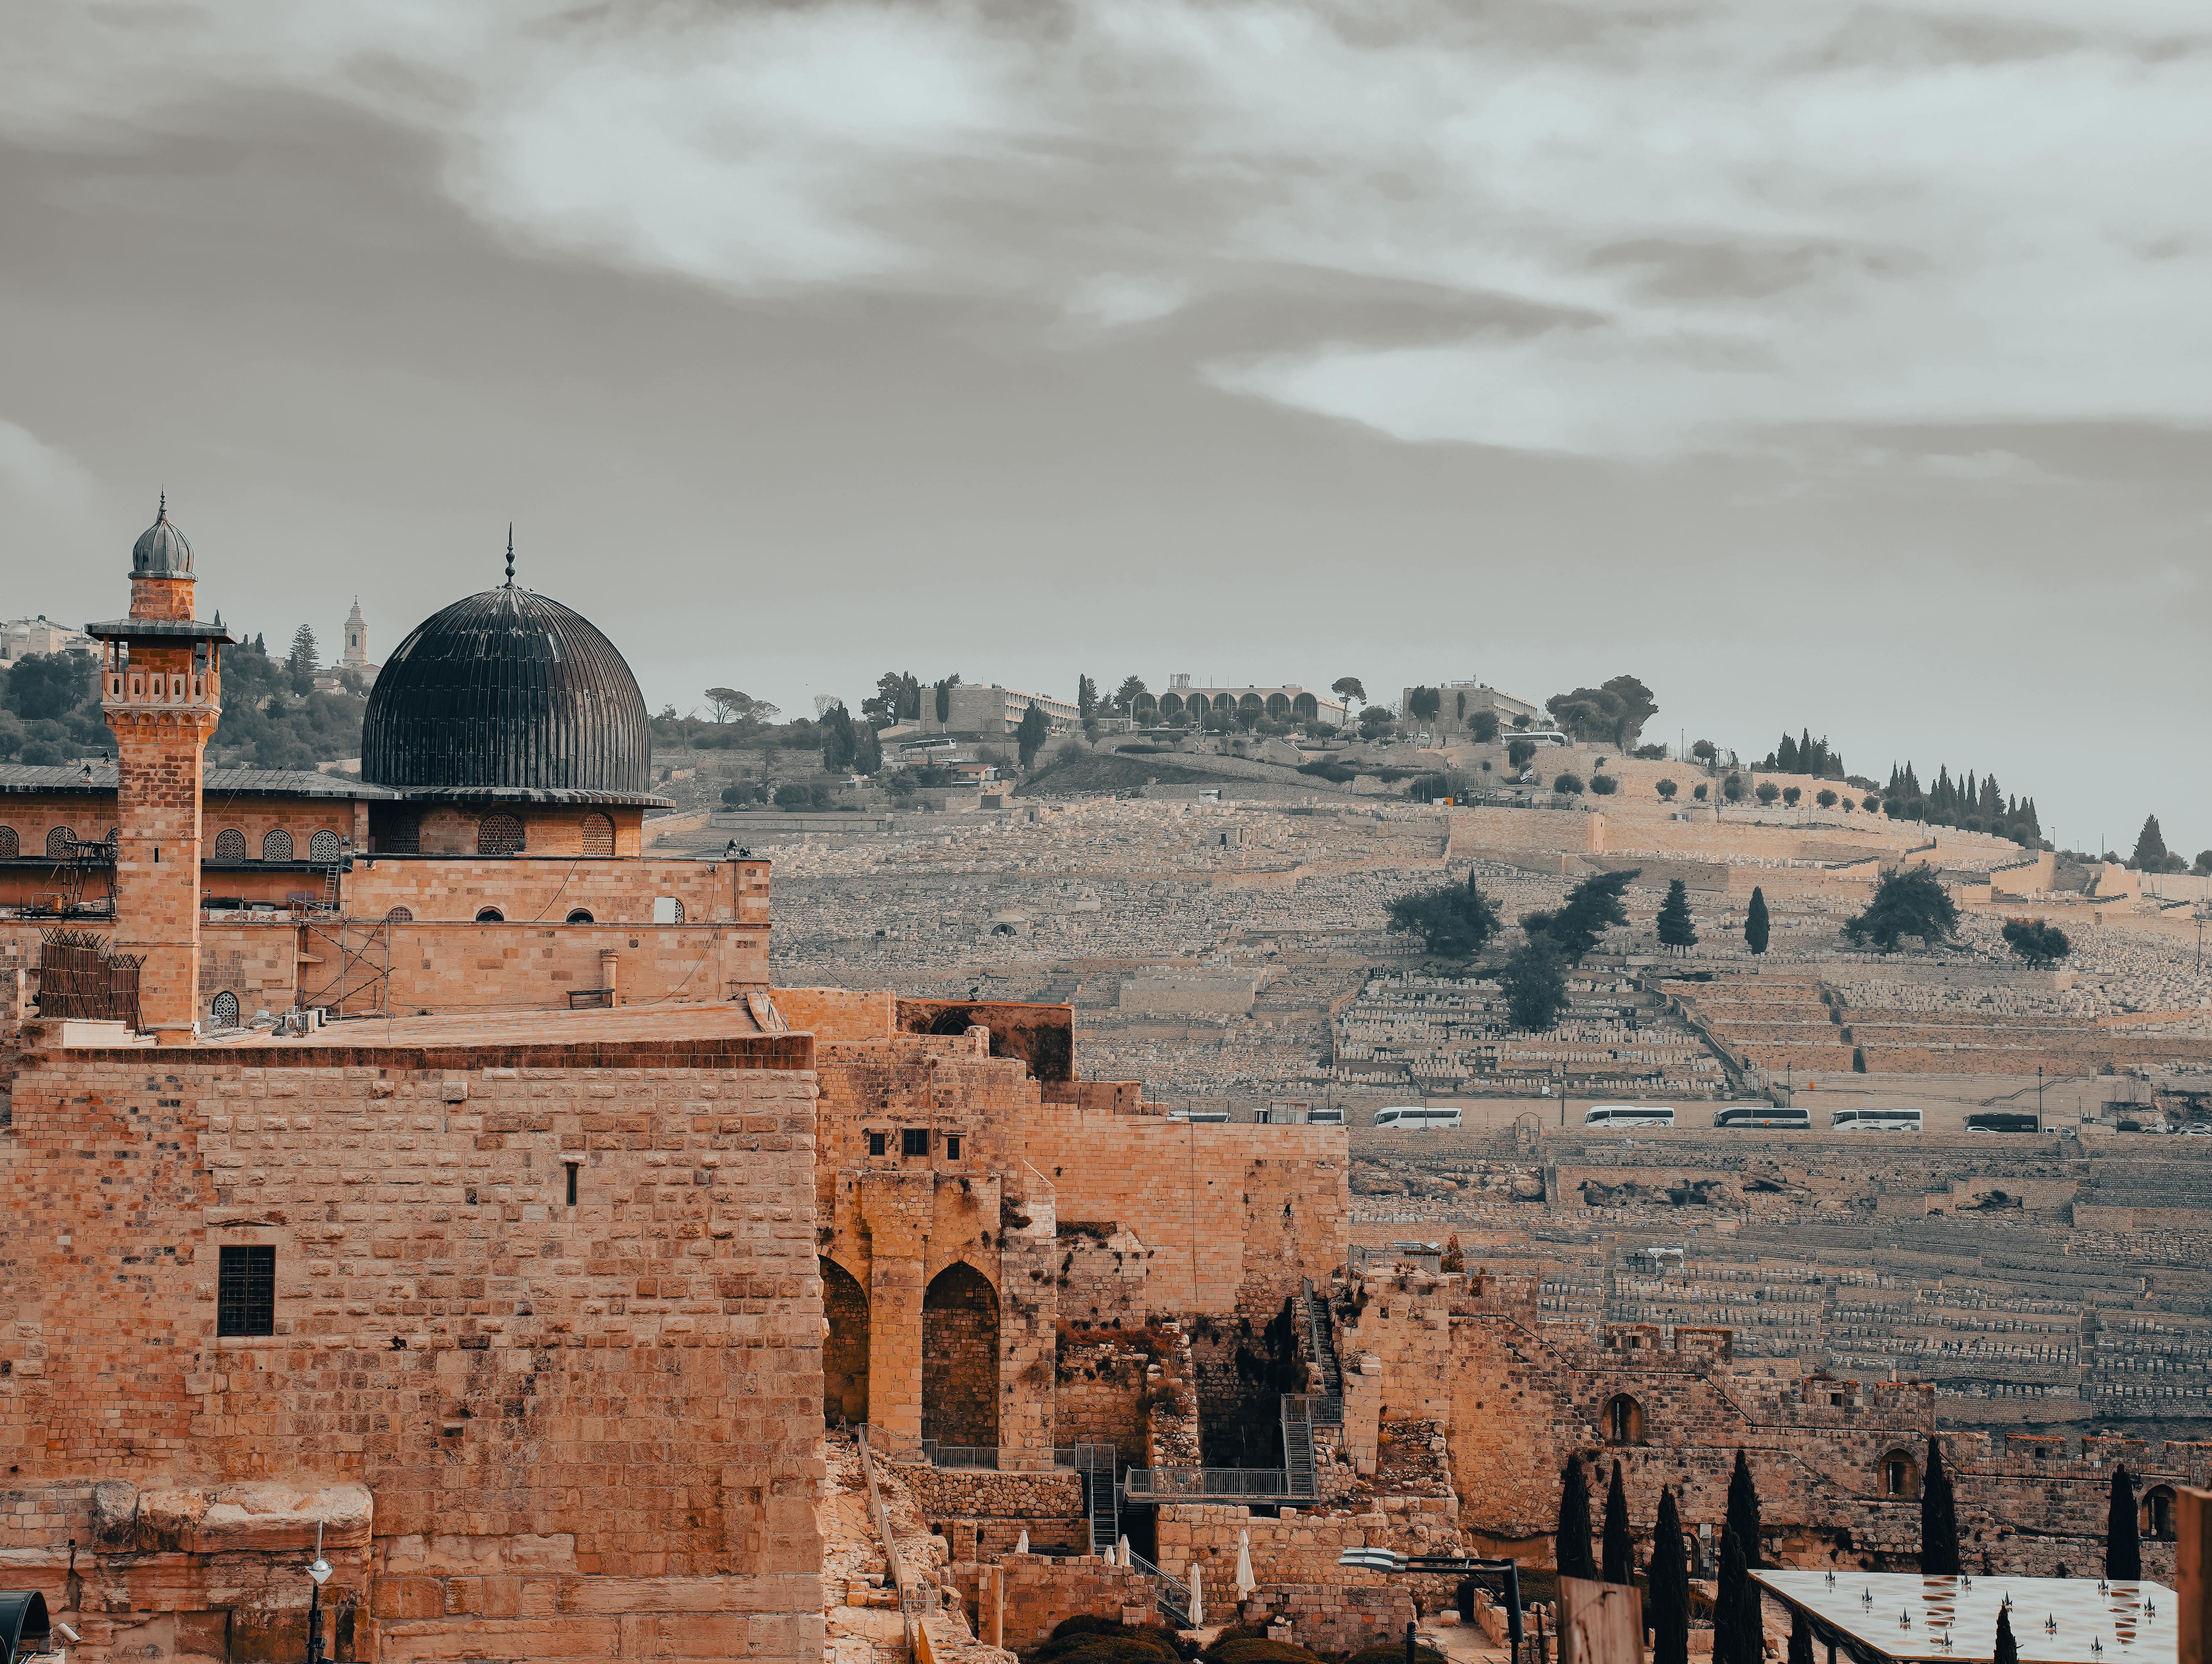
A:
(356, 656)
(162, 694)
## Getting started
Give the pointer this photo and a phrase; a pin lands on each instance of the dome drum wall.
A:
(508, 691)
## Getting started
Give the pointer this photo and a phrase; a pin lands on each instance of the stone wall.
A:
(1042, 1591)
(1233, 1216)
(534, 888)
(501, 1370)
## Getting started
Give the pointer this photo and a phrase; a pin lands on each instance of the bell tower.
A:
(161, 692)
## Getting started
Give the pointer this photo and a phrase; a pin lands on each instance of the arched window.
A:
(223, 1010)
(1623, 1420)
(2158, 1513)
(599, 835)
(582, 916)
(1278, 708)
(59, 842)
(1198, 706)
(1144, 705)
(324, 847)
(1170, 706)
(277, 846)
(1305, 708)
(230, 845)
(399, 915)
(10, 844)
(490, 915)
(1251, 701)
(499, 835)
(1900, 1475)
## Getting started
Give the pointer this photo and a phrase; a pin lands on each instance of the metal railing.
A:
(1159, 1484)
(933, 1452)
(913, 1599)
(1171, 1594)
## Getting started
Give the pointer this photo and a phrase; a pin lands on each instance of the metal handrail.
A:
(911, 1598)
(1156, 1483)
(1173, 1595)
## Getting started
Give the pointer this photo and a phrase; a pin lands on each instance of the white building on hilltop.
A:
(21, 637)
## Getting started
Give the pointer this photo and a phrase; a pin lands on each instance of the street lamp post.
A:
(319, 1572)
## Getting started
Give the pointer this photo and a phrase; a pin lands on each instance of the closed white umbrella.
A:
(1197, 1599)
(1022, 1546)
(1122, 1550)
(1246, 1582)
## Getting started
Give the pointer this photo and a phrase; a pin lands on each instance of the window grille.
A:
(913, 1141)
(499, 835)
(324, 847)
(60, 842)
(276, 846)
(246, 1290)
(10, 844)
(599, 835)
(230, 845)
(225, 1010)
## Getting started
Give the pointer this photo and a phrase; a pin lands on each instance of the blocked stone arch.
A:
(960, 1357)
(845, 1348)
(1306, 709)
(1898, 1473)
(1621, 1420)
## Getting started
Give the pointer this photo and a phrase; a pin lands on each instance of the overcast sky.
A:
(1828, 365)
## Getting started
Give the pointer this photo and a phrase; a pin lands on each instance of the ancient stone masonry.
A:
(1837, 1461)
(446, 1332)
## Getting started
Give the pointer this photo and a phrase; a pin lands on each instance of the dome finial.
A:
(510, 554)
(163, 514)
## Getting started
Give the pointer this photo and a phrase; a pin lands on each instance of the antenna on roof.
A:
(510, 554)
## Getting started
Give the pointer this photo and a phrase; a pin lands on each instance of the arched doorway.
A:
(845, 1352)
(960, 1359)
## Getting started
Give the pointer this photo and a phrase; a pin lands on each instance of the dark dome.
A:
(161, 551)
(507, 691)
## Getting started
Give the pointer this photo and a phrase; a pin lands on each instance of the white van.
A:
(1628, 1115)
(1875, 1121)
(1413, 1117)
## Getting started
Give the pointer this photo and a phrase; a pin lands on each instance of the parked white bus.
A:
(1876, 1121)
(1763, 1114)
(1413, 1117)
(1328, 1116)
(1209, 1115)
(1628, 1115)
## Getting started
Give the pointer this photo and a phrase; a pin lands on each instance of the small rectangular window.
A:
(245, 1291)
(952, 1147)
(572, 1183)
(913, 1141)
(876, 1143)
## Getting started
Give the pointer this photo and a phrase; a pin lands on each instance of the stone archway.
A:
(845, 1350)
(960, 1357)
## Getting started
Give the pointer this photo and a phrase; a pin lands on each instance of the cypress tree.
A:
(1800, 1640)
(1669, 1608)
(2007, 1648)
(1676, 928)
(1619, 1548)
(1743, 1510)
(1736, 1638)
(1939, 1519)
(1573, 1545)
(2123, 1546)
(1756, 926)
